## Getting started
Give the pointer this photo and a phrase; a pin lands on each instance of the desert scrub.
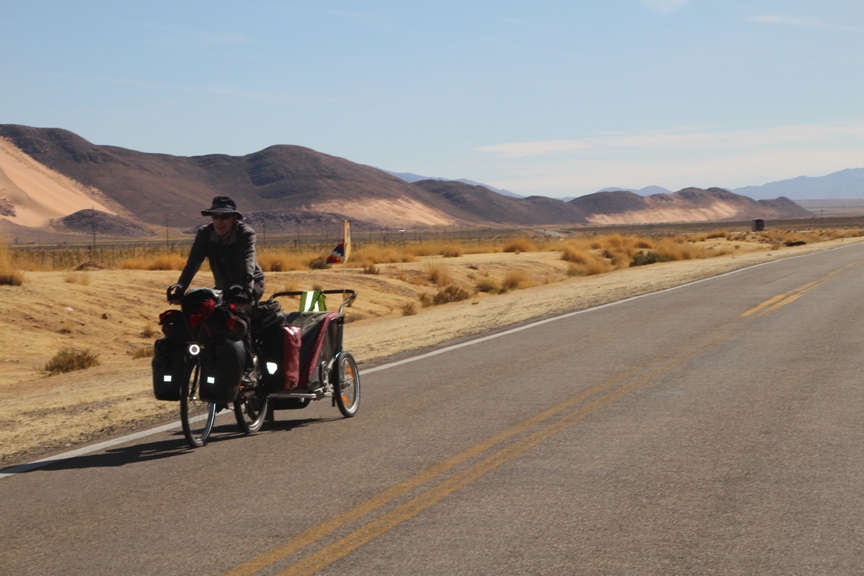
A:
(515, 280)
(142, 352)
(487, 285)
(518, 245)
(154, 262)
(69, 360)
(9, 276)
(583, 262)
(450, 294)
(438, 274)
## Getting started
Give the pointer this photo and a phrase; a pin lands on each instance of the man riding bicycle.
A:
(229, 245)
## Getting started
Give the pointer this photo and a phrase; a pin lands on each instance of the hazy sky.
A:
(558, 98)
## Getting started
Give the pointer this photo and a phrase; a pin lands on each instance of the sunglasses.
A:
(222, 216)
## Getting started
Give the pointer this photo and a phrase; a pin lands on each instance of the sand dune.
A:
(32, 195)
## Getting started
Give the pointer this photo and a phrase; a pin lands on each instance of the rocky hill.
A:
(292, 187)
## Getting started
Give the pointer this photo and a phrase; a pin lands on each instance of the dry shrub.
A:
(515, 280)
(487, 285)
(409, 309)
(13, 278)
(518, 245)
(150, 332)
(451, 251)
(438, 274)
(370, 254)
(450, 294)
(142, 352)
(282, 260)
(156, 262)
(71, 359)
(9, 276)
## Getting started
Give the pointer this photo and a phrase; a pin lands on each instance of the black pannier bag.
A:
(280, 357)
(266, 315)
(202, 317)
(167, 367)
(221, 369)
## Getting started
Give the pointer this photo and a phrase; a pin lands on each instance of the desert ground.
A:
(114, 314)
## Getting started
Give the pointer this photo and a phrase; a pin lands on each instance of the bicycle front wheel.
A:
(250, 409)
(347, 384)
(196, 415)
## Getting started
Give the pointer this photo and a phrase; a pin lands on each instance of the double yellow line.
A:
(781, 300)
(472, 463)
(504, 446)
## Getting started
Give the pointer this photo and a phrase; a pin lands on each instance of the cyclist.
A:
(229, 245)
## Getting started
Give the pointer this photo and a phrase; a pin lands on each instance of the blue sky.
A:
(557, 98)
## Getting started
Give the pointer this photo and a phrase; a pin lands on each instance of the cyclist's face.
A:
(223, 223)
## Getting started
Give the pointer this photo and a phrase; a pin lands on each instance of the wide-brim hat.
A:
(222, 205)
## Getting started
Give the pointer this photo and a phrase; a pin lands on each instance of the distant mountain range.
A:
(292, 188)
(841, 185)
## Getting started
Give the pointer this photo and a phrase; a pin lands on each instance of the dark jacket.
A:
(232, 264)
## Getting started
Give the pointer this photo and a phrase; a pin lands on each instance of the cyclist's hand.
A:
(175, 293)
(237, 293)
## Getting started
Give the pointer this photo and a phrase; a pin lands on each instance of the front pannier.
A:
(203, 318)
(221, 369)
(167, 367)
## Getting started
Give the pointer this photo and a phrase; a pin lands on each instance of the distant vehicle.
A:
(758, 225)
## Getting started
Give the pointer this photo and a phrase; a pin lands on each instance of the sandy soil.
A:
(114, 313)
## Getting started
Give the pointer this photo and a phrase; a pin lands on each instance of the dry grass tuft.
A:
(438, 273)
(519, 245)
(9, 276)
(515, 280)
(450, 294)
(70, 359)
(155, 262)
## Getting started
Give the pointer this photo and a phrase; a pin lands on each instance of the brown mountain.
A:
(687, 205)
(292, 187)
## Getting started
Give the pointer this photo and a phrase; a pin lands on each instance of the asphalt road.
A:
(710, 429)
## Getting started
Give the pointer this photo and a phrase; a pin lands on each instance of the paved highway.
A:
(710, 429)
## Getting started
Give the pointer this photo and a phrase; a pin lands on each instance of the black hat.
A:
(222, 205)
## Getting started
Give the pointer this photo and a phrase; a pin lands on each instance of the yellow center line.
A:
(604, 394)
(377, 527)
(785, 298)
(404, 512)
(316, 533)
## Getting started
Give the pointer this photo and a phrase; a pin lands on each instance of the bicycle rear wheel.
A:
(347, 384)
(196, 415)
(250, 409)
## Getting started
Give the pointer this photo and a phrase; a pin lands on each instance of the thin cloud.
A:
(682, 140)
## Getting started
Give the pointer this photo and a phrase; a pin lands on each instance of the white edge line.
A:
(144, 433)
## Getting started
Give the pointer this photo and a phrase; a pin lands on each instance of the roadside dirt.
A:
(113, 313)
